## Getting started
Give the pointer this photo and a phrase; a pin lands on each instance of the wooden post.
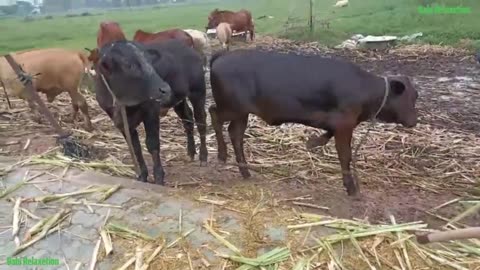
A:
(310, 22)
(32, 93)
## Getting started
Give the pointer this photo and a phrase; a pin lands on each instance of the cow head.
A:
(130, 74)
(400, 105)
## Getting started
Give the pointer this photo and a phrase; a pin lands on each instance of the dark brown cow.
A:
(239, 21)
(146, 38)
(324, 93)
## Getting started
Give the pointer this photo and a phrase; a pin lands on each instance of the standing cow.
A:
(319, 92)
(60, 70)
(224, 35)
(239, 21)
(149, 80)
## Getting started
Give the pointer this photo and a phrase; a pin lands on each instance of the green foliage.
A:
(367, 17)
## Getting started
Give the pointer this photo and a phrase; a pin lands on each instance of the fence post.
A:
(310, 22)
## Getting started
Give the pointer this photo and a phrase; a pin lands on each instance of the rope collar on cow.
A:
(372, 123)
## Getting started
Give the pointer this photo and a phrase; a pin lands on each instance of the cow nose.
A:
(165, 90)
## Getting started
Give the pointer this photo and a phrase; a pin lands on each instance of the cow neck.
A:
(385, 96)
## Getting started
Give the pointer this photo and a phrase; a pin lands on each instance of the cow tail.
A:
(215, 56)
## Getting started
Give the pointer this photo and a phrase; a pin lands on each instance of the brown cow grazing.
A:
(146, 38)
(324, 93)
(59, 70)
(239, 21)
(224, 35)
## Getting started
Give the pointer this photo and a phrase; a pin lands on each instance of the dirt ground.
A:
(447, 137)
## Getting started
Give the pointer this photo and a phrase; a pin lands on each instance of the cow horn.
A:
(89, 50)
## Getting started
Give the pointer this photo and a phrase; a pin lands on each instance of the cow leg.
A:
(343, 140)
(315, 141)
(137, 149)
(218, 127)
(79, 102)
(185, 113)
(88, 122)
(74, 114)
(236, 129)
(152, 140)
(198, 104)
(35, 114)
(134, 119)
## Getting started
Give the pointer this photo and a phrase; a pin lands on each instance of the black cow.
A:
(150, 79)
(324, 93)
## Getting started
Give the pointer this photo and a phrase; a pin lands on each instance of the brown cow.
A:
(325, 93)
(239, 21)
(108, 32)
(146, 37)
(60, 71)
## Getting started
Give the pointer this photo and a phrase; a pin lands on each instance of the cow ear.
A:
(397, 87)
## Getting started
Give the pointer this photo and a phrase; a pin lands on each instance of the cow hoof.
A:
(245, 173)
(203, 164)
(159, 178)
(315, 141)
(142, 178)
(89, 128)
(69, 120)
(353, 192)
(222, 158)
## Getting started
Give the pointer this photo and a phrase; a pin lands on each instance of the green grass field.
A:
(374, 17)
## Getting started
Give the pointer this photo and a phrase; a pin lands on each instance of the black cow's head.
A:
(130, 74)
(400, 105)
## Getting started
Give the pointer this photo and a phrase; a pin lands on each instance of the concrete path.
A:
(144, 207)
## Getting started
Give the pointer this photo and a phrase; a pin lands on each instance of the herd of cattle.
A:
(156, 72)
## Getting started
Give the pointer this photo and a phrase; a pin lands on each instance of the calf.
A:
(146, 38)
(200, 42)
(163, 75)
(224, 35)
(319, 92)
(59, 70)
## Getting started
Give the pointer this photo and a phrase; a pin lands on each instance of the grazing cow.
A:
(319, 92)
(146, 38)
(239, 21)
(224, 35)
(167, 71)
(200, 42)
(60, 70)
